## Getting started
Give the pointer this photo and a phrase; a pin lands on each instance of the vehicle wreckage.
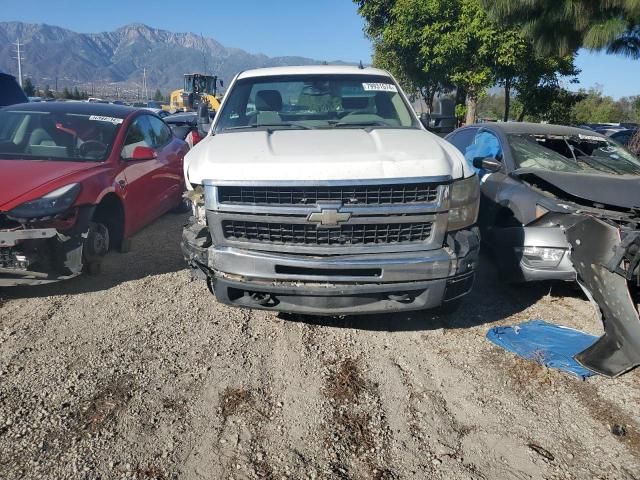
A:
(561, 203)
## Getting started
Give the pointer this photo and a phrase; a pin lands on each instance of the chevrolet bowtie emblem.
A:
(329, 218)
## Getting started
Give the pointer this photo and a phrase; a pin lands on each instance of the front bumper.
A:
(507, 243)
(335, 284)
(36, 256)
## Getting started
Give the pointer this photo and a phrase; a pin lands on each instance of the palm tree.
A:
(564, 26)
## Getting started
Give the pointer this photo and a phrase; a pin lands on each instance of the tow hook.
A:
(263, 299)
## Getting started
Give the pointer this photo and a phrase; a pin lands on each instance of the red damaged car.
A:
(77, 179)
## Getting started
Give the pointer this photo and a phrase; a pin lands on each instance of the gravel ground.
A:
(138, 373)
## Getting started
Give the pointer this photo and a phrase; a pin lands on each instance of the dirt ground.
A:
(139, 373)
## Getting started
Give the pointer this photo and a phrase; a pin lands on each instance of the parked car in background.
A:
(158, 111)
(77, 180)
(623, 137)
(329, 197)
(185, 126)
(10, 91)
(533, 175)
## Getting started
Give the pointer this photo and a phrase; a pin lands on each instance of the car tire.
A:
(95, 247)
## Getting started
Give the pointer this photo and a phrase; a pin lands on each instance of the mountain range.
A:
(53, 54)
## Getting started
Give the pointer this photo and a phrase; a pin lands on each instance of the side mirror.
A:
(487, 163)
(143, 153)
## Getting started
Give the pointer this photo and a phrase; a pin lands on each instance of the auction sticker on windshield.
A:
(100, 118)
(379, 87)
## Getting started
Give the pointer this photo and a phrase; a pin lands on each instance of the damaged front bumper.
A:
(33, 256)
(335, 284)
(607, 262)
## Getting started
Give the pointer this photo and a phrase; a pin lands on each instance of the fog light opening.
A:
(263, 299)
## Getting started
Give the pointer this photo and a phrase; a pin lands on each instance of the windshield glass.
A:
(315, 101)
(56, 136)
(573, 153)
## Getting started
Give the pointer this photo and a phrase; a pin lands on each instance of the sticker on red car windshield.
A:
(379, 87)
(100, 118)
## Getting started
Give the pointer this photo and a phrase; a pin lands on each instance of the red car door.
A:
(171, 153)
(144, 191)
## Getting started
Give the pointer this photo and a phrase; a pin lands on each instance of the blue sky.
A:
(321, 29)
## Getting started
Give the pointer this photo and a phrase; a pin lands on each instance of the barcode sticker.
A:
(379, 87)
(100, 118)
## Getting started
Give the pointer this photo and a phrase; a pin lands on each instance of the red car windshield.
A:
(56, 136)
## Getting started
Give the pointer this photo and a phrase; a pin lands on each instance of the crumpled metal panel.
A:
(594, 244)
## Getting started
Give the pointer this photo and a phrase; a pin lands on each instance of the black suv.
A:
(10, 91)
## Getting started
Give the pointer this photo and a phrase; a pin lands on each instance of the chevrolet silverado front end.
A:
(329, 213)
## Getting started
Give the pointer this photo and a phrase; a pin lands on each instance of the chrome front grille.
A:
(399, 194)
(312, 235)
(318, 218)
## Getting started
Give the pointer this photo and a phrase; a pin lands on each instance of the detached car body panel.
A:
(72, 187)
(318, 191)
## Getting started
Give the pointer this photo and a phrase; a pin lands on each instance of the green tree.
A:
(432, 45)
(28, 87)
(66, 93)
(158, 96)
(563, 26)
(76, 94)
(538, 84)
(438, 45)
(598, 108)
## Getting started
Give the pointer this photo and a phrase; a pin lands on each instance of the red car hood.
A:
(23, 180)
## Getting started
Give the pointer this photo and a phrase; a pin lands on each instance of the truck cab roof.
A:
(314, 70)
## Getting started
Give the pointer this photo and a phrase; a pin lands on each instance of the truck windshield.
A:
(315, 102)
(56, 136)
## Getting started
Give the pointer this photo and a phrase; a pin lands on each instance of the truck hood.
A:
(24, 180)
(323, 155)
(614, 190)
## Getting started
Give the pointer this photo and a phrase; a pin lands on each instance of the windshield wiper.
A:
(371, 123)
(299, 126)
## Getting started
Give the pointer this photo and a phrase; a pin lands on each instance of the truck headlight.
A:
(541, 257)
(50, 204)
(464, 202)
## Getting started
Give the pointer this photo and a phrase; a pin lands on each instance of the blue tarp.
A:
(551, 345)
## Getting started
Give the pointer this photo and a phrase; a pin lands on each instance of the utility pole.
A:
(19, 58)
(204, 55)
(145, 92)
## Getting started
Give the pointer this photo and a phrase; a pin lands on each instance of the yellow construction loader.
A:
(198, 88)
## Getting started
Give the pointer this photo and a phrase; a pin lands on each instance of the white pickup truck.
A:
(318, 191)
